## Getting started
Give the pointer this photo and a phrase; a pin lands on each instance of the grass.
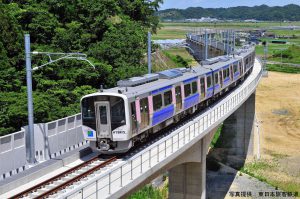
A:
(173, 33)
(263, 170)
(283, 68)
(149, 192)
(182, 52)
(216, 137)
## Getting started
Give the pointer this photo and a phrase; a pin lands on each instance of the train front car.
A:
(105, 123)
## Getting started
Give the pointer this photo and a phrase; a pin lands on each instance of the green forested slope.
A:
(111, 32)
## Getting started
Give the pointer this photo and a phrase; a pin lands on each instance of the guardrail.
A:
(109, 182)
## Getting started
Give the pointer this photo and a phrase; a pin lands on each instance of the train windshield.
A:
(115, 111)
(117, 114)
(88, 109)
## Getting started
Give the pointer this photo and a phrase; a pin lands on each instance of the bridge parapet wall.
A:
(51, 139)
(12, 154)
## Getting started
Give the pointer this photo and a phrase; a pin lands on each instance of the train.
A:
(115, 119)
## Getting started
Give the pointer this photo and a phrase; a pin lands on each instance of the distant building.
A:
(203, 19)
(251, 20)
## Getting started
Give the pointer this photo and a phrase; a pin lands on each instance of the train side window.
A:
(209, 83)
(157, 102)
(168, 98)
(235, 67)
(216, 78)
(194, 87)
(187, 90)
(247, 61)
(227, 72)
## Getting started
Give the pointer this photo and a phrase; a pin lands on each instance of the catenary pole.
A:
(149, 53)
(29, 99)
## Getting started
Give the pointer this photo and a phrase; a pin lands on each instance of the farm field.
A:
(278, 113)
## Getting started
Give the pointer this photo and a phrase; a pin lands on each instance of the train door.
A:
(221, 77)
(240, 68)
(144, 113)
(103, 119)
(178, 98)
(231, 72)
(202, 87)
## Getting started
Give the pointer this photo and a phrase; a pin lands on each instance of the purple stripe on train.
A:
(191, 101)
(163, 115)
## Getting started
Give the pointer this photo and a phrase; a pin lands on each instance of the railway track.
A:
(50, 187)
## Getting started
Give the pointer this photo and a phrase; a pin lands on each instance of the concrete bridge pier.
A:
(187, 179)
(236, 142)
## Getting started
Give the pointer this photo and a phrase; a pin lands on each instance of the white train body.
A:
(115, 119)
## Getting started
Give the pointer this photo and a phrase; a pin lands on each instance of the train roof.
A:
(133, 91)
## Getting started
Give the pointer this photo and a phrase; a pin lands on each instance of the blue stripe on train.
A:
(191, 101)
(190, 80)
(236, 75)
(217, 86)
(209, 94)
(163, 115)
(161, 89)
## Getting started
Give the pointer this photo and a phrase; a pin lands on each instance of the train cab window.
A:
(157, 102)
(187, 90)
(88, 109)
(168, 98)
(216, 78)
(194, 87)
(202, 87)
(117, 114)
(103, 114)
(209, 83)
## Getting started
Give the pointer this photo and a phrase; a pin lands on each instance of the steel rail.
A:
(57, 177)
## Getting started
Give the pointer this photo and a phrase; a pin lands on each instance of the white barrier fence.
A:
(51, 139)
(107, 182)
(12, 154)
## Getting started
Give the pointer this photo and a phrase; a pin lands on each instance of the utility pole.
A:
(149, 53)
(206, 45)
(233, 46)
(29, 100)
(228, 43)
(78, 56)
(265, 44)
